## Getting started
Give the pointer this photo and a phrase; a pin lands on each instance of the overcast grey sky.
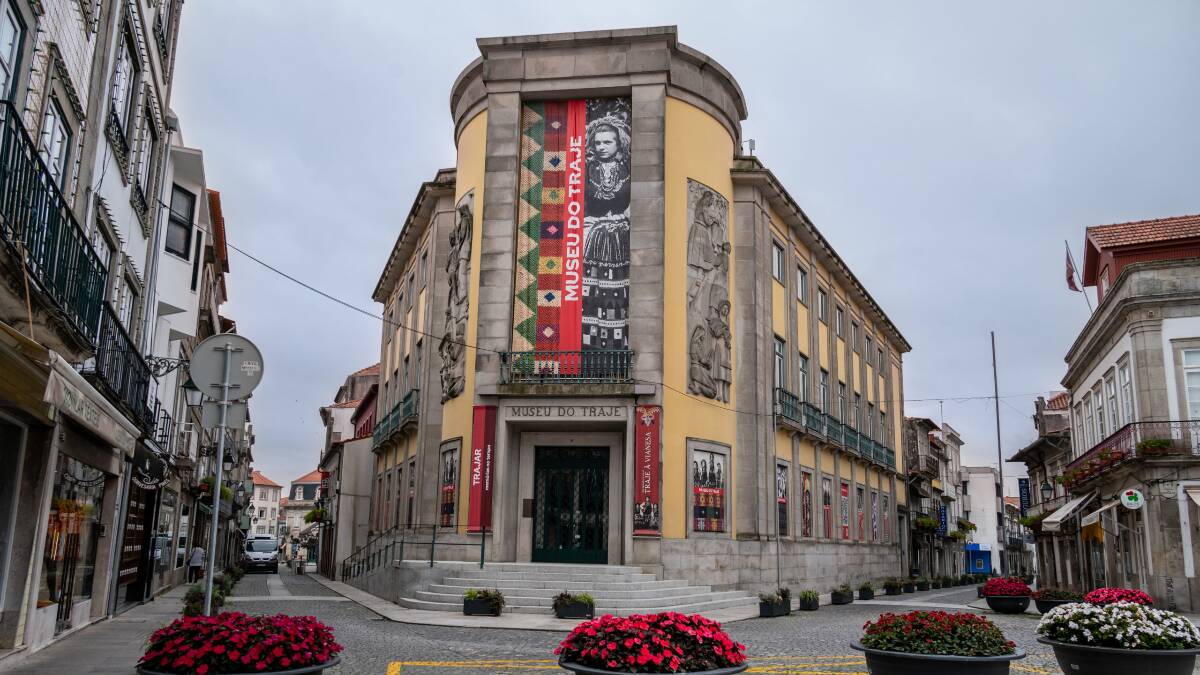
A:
(945, 149)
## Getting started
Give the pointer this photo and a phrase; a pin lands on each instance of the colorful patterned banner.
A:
(647, 514)
(572, 277)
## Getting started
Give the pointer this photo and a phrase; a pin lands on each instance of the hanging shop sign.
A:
(149, 470)
(1132, 499)
(1023, 490)
(483, 448)
(647, 513)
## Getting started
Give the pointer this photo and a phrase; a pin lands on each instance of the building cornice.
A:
(442, 184)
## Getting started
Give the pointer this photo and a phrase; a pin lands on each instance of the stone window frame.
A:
(694, 445)
(1178, 346)
(779, 369)
(804, 375)
(1126, 390)
(860, 507)
(778, 262)
(839, 321)
(22, 70)
(786, 465)
(822, 305)
(802, 284)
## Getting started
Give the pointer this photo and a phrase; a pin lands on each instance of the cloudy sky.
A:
(945, 149)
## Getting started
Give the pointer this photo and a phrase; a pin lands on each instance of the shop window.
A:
(165, 540)
(708, 489)
(72, 534)
(182, 547)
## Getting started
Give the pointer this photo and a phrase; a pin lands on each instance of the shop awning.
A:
(1094, 516)
(1194, 493)
(1054, 521)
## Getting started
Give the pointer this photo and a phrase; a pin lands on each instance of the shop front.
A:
(979, 558)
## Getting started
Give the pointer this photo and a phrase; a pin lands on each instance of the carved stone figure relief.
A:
(710, 369)
(452, 346)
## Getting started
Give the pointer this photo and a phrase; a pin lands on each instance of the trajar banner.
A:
(483, 452)
(572, 276)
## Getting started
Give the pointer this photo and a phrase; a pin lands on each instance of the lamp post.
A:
(1047, 491)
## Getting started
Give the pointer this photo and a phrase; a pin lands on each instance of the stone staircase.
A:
(529, 588)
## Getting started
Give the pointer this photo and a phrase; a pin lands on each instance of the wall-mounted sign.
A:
(1132, 499)
(1023, 490)
(647, 518)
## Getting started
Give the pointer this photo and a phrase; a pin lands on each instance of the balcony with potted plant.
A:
(936, 643)
(1132, 443)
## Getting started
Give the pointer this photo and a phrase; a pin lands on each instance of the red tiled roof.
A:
(1059, 401)
(1145, 231)
(346, 404)
(283, 501)
(313, 476)
(1012, 501)
(260, 479)
(369, 370)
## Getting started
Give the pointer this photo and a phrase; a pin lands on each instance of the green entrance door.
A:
(570, 496)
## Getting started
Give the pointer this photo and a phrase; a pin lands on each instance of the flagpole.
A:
(1074, 274)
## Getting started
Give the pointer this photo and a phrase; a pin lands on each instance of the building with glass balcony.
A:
(611, 336)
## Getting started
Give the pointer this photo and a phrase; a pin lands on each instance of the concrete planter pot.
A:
(1086, 660)
(1008, 604)
(809, 605)
(923, 586)
(880, 662)
(588, 670)
(935, 585)
(1044, 606)
(479, 608)
(575, 610)
(910, 588)
(309, 670)
(768, 610)
(893, 591)
(866, 595)
(837, 598)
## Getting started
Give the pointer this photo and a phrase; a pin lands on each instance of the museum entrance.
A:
(570, 499)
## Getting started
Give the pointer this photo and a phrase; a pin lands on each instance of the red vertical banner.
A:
(483, 449)
(571, 312)
(647, 512)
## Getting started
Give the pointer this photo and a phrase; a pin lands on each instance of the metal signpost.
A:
(226, 368)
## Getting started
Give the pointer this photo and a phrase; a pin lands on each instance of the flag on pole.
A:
(1071, 273)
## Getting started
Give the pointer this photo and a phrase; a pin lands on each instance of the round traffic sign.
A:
(207, 367)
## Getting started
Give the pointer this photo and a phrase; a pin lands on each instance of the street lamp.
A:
(1047, 491)
(227, 462)
(192, 395)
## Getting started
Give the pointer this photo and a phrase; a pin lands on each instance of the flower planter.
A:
(910, 588)
(587, 670)
(881, 662)
(575, 610)
(309, 670)
(923, 586)
(1008, 604)
(771, 609)
(1044, 606)
(1073, 658)
(479, 608)
(809, 605)
(866, 595)
(892, 591)
(837, 598)
(935, 585)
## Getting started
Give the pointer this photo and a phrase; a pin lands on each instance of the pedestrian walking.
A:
(195, 563)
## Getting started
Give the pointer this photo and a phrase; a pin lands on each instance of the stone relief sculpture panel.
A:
(710, 369)
(452, 347)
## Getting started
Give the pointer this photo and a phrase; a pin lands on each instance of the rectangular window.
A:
(856, 413)
(802, 284)
(1088, 423)
(127, 302)
(880, 363)
(839, 322)
(124, 85)
(868, 349)
(73, 533)
(449, 485)
(882, 437)
(1110, 393)
(822, 305)
(777, 262)
(55, 142)
(854, 336)
(179, 221)
(841, 409)
(10, 49)
(1098, 403)
(803, 393)
(887, 527)
(824, 391)
(780, 363)
(806, 504)
(1080, 439)
(708, 491)
(147, 146)
(1191, 381)
(1126, 391)
(196, 260)
(869, 429)
(781, 498)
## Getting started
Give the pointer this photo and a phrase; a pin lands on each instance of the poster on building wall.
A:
(708, 491)
(449, 483)
(1023, 490)
(781, 497)
(572, 277)
(827, 506)
(874, 516)
(647, 514)
(483, 445)
(806, 513)
(887, 529)
(860, 505)
(845, 510)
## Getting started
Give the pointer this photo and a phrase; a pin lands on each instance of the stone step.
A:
(683, 608)
(618, 592)
(475, 582)
(638, 603)
(556, 576)
(537, 568)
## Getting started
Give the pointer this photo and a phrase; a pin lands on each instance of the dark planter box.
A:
(866, 595)
(1044, 606)
(809, 605)
(935, 585)
(902, 663)
(587, 670)
(893, 591)
(923, 586)
(841, 598)
(479, 608)
(575, 610)
(910, 588)
(309, 670)
(770, 609)
(1083, 659)
(1008, 604)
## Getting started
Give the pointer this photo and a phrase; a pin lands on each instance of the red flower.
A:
(229, 641)
(1006, 586)
(1108, 596)
(683, 643)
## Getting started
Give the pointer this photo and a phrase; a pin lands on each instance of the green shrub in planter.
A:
(893, 586)
(866, 591)
(569, 605)
(193, 600)
(775, 603)
(481, 602)
(935, 643)
(809, 600)
(922, 584)
(842, 595)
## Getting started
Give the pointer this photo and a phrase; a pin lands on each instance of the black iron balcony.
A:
(409, 407)
(164, 429)
(1131, 443)
(116, 132)
(851, 440)
(834, 429)
(600, 366)
(37, 225)
(923, 464)
(789, 408)
(121, 371)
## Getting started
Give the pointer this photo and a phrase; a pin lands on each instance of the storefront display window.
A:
(164, 540)
(72, 534)
(181, 548)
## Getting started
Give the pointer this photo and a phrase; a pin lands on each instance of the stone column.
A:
(1150, 375)
(646, 234)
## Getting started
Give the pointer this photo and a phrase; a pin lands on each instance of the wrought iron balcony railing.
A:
(834, 429)
(1133, 442)
(409, 406)
(600, 366)
(924, 464)
(37, 225)
(813, 418)
(403, 413)
(164, 428)
(789, 406)
(122, 371)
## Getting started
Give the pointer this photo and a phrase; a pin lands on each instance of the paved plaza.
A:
(804, 643)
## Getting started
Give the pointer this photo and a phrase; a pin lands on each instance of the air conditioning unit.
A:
(189, 440)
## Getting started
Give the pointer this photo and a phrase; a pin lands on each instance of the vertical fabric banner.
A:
(647, 519)
(1023, 489)
(570, 337)
(483, 444)
(845, 510)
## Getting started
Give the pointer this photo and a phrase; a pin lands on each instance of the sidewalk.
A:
(110, 647)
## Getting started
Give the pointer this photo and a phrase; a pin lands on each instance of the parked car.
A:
(261, 553)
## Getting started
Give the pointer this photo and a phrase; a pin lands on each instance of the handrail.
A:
(590, 366)
(379, 550)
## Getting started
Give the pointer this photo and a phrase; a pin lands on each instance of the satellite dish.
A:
(207, 367)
